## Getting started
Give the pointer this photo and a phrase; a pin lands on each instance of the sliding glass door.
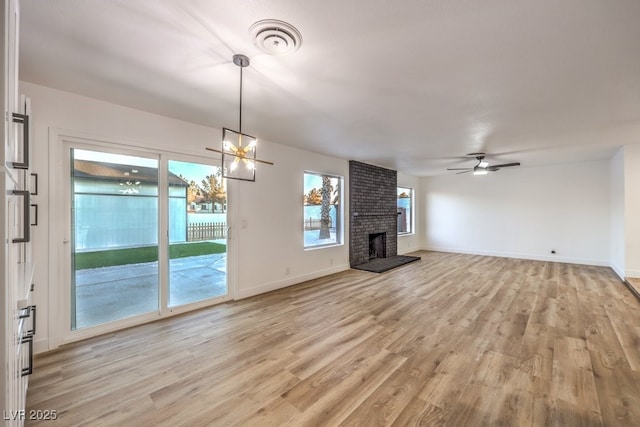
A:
(115, 237)
(197, 233)
(148, 234)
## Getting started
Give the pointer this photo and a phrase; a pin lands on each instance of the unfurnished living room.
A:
(282, 213)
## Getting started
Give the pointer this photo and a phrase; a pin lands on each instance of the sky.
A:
(191, 171)
(312, 180)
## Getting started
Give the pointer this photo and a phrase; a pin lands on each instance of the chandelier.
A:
(239, 149)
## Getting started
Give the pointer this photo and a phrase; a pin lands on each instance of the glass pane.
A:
(197, 233)
(115, 237)
(405, 196)
(322, 215)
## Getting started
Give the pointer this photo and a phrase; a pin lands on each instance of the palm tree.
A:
(325, 219)
(313, 197)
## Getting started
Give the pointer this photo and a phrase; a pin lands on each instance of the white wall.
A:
(523, 213)
(271, 208)
(411, 242)
(617, 214)
(632, 209)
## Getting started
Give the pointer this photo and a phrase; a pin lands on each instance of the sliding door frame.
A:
(60, 235)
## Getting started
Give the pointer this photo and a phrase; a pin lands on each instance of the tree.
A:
(193, 191)
(313, 197)
(213, 189)
(325, 219)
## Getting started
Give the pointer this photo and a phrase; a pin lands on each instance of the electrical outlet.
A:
(287, 271)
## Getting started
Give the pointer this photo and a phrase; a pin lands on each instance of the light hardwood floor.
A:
(452, 339)
(634, 282)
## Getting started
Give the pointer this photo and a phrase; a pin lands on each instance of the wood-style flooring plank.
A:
(449, 340)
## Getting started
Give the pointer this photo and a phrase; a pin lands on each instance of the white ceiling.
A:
(412, 85)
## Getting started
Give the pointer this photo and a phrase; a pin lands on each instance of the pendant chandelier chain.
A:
(240, 120)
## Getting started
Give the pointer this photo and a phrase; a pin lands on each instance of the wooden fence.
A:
(218, 230)
(314, 223)
(206, 231)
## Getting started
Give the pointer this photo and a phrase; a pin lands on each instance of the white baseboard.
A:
(40, 345)
(631, 273)
(408, 250)
(279, 284)
(618, 270)
(533, 257)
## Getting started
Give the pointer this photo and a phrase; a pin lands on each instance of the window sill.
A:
(328, 245)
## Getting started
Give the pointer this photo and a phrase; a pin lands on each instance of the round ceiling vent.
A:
(275, 37)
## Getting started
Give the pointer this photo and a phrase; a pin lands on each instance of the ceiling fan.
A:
(482, 167)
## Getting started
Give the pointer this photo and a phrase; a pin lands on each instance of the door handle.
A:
(35, 205)
(26, 221)
(29, 311)
(35, 181)
(29, 369)
(24, 120)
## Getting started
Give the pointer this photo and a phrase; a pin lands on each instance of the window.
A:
(322, 204)
(405, 210)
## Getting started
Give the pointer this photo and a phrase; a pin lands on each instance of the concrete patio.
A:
(110, 293)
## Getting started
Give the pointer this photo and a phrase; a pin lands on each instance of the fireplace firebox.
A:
(377, 245)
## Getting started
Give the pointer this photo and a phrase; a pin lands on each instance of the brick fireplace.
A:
(372, 211)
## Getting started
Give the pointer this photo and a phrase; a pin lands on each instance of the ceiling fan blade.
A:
(482, 167)
(505, 165)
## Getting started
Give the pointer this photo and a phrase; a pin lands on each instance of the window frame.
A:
(339, 226)
(411, 212)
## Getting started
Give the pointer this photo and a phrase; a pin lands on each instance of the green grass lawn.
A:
(109, 258)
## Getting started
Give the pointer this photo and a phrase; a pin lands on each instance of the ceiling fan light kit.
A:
(482, 167)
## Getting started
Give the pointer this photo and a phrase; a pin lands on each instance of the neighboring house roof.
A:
(102, 171)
